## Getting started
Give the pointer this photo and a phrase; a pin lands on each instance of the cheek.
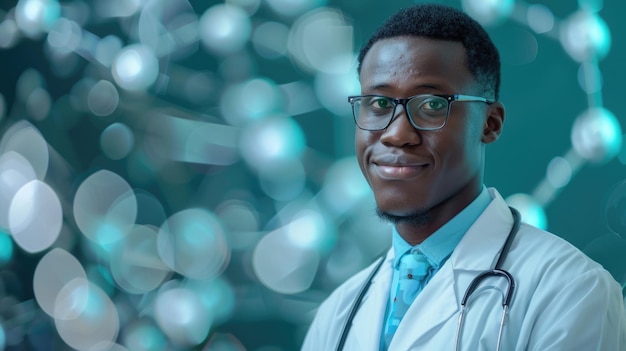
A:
(360, 146)
(457, 149)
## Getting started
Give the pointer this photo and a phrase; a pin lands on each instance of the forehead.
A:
(413, 62)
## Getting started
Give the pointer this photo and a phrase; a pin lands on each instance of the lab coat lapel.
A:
(367, 325)
(440, 299)
(480, 247)
(434, 306)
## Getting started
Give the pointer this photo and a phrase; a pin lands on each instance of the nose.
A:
(400, 132)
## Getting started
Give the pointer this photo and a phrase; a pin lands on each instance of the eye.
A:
(434, 105)
(380, 103)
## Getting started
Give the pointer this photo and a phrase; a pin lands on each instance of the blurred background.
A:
(180, 175)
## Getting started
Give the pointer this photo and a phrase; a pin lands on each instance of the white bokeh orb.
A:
(488, 12)
(584, 36)
(596, 135)
(35, 217)
(531, 210)
(135, 68)
(272, 141)
(34, 17)
(225, 29)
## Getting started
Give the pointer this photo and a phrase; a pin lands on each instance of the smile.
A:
(398, 172)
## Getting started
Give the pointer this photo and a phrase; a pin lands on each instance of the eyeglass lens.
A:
(375, 112)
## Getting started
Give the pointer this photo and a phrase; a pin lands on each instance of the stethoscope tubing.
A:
(495, 271)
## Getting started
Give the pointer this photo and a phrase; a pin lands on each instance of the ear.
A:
(493, 122)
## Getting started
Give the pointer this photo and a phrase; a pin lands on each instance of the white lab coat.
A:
(562, 300)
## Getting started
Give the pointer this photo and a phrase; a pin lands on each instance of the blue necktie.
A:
(413, 269)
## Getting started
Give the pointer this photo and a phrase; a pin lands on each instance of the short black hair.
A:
(441, 22)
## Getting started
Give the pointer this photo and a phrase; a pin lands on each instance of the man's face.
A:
(413, 171)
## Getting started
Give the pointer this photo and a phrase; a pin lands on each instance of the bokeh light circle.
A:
(107, 49)
(65, 36)
(9, 33)
(38, 104)
(103, 98)
(332, 89)
(15, 172)
(117, 141)
(283, 181)
(105, 207)
(25, 139)
(311, 229)
(290, 8)
(225, 28)
(97, 325)
(241, 220)
(216, 295)
(55, 270)
(290, 272)
(251, 6)
(72, 299)
(540, 18)
(489, 12)
(596, 135)
(135, 262)
(35, 217)
(531, 210)
(35, 17)
(320, 41)
(272, 141)
(6, 248)
(193, 243)
(168, 27)
(29, 81)
(344, 186)
(250, 101)
(270, 39)
(585, 35)
(180, 314)
(135, 68)
(144, 335)
(559, 172)
(344, 262)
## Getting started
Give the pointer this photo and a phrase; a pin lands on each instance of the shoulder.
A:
(547, 262)
(564, 292)
(548, 249)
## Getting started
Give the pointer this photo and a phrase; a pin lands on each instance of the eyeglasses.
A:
(425, 112)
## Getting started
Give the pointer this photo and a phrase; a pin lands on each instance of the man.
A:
(430, 78)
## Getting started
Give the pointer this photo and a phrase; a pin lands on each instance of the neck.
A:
(421, 224)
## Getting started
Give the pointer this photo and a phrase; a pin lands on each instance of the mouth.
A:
(398, 168)
(398, 172)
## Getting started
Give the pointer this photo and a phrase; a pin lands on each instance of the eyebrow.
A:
(377, 86)
(416, 87)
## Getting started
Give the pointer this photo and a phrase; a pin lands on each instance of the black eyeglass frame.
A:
(405, 101)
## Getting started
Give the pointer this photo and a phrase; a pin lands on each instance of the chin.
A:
(416, 218)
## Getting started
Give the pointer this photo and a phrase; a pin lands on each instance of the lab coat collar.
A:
(440, 299)
(486, 236)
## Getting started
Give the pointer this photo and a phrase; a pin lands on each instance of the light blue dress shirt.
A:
(437, 247)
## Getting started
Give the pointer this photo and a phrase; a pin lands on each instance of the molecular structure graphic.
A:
(182, 171)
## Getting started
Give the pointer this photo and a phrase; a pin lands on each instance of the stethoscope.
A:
(496, 271)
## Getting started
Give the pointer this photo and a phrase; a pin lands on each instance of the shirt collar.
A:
(439, 246)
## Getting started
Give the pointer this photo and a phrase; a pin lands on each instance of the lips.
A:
(398, 167)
